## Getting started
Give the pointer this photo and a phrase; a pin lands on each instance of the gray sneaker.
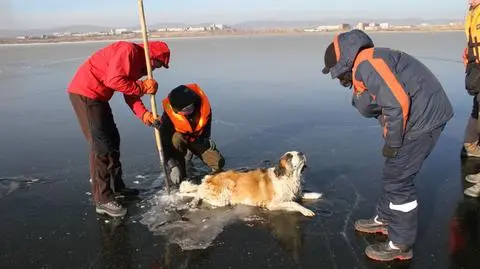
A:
(474, 179)
(473, 191)
(112, 209)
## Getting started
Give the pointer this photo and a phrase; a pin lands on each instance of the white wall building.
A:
(196, 29)
(361, 25)
(120, 31)
(384, 25)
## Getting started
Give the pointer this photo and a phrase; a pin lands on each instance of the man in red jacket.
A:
(115, 68)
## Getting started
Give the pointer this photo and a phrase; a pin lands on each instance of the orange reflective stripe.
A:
(336, 46)
(358, 86)
(384, 71)
(386, 74)
(364, 55)
(180, 122)
(205, 107)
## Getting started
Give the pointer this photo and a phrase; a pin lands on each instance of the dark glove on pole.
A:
(389, 152)
(157, 124)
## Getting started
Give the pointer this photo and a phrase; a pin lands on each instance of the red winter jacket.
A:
(117, 67)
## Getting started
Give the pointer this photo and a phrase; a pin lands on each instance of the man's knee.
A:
(214, 159)
(104, 145)
(179, 142)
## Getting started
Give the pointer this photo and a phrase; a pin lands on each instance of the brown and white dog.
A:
(274, 188)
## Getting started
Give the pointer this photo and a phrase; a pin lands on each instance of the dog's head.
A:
(291, 163)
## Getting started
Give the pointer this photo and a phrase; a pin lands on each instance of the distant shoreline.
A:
(194, 35)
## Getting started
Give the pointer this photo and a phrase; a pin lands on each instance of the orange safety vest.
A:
(181, 123)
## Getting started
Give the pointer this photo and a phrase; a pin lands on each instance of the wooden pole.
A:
(152, 97)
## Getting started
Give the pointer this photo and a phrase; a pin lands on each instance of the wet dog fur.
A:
(274, 188)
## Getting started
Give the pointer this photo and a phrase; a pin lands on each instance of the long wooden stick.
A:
(152, 97)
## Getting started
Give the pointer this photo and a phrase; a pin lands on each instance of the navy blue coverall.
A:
(413, 108)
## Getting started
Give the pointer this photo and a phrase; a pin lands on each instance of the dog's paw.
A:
(308, 213)
(312, 195)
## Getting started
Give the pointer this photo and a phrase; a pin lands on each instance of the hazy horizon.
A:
(32, 14)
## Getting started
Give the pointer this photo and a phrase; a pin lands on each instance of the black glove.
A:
(157, 124)
(389, 152)
(472, 79)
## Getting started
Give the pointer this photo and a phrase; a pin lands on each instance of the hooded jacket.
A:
(117, 67)
(391, 86)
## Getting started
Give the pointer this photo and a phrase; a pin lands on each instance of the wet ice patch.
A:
(170, 217)
(226, 123)
(8, 187)
(11, 184)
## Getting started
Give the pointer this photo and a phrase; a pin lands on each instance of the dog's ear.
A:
(281, 169)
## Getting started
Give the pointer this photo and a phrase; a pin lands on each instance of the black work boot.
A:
(388, 252)
(373, 225)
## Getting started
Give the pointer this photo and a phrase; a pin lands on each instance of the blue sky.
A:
(52, 13)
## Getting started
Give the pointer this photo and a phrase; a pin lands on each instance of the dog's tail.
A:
(187, 187)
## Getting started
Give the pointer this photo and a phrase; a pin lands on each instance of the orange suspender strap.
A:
(388, 77)
(402, 98)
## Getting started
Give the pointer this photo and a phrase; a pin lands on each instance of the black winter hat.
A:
(181, 97)
(330, 58)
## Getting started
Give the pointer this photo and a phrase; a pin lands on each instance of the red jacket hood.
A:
(159, 51)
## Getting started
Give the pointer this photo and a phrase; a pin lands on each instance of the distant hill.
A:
(264, 24)
(8, 33)
(248, 25)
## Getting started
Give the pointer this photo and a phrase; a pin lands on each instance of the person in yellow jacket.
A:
(471, 57)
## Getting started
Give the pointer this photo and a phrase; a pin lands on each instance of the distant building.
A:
(384, 25)
(326, 28)
(120, 31)
(216, 27)
(400, 27)
(361, 25)
(322, 28)
(175, 29)
(166, 29)
(80, 34)
(196, 29)
(372, 26)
